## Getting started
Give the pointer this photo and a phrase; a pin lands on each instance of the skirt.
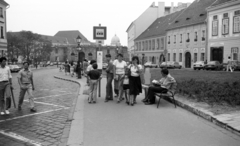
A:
(135, 85)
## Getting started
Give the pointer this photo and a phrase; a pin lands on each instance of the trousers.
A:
(5, 96)
(26, 88)
(109, 88)
(151, 93)
(93, 90)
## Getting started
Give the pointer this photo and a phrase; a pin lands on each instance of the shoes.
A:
(127, 102)
(144, 100)
(148, 103)
(33, 110)
(7, 112)
(2, 113)
(118, 101)
(110, 98)
(132, 104)
(94, 102)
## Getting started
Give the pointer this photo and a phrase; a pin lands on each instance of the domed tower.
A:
(115, 41)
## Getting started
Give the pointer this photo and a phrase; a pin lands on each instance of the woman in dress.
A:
(118, 73)
(134, 79)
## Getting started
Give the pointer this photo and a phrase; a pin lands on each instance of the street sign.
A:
(99, 32)
(99, 59)
(100, 42)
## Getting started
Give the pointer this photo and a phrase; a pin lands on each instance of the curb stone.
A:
(66, 131)
(204, 115)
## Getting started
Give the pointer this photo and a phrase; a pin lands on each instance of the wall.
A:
(3, 41)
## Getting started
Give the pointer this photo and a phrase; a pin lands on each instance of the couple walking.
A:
(126, 79)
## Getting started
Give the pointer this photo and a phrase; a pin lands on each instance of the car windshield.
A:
(199, 62)
(212, 62)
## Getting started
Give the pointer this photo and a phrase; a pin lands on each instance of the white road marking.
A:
(51, 96)
(21, 138)
(48, 104)
(33, 114)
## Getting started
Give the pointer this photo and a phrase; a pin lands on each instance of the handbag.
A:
(128, 70)
(86, 90)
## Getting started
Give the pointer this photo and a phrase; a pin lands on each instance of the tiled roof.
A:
(71, 36)
(56, 39)
(218, 2)
(158, 27)
(196, 13)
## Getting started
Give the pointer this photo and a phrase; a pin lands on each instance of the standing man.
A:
(25, 80)
(5, 82)
(109, 71)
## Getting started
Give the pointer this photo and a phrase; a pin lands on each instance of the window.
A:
(139, 46)
(168, 56)
(195, 39)
(168, 39)
(225, 24)
(2, 32)
(174, 56)
(202, 56)
(195, 57)
(1, 12)
(153, 44)
(136, 46)
(236, 22)
(203, 35)
(174, 39)
(215, 26)
(146, 45)
(180, 57)
(149, 59)
(108, 51)
(180, 38)
(143, 46)
(188, 39)
(158, 44)
(56, 51)
(150, 45)
(162, 43)
(234, 52)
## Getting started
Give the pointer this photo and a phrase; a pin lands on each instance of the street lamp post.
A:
(79, 39)
(143, 55)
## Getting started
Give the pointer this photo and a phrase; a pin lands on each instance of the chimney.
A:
(172, 7)
(161, 9)
(153, 4)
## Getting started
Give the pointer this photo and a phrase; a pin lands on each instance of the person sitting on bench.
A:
(160, 87)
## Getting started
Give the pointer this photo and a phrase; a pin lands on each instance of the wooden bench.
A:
(171, 92)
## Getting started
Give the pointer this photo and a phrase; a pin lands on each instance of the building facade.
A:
(224, 30)
(3, 26)
(186, 36)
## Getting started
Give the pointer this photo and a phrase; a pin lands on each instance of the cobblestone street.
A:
(53, 101)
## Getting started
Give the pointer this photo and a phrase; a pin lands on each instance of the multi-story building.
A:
(186, 36)
(224, 30)
(151, 44)
(3, 25)
(144, 21)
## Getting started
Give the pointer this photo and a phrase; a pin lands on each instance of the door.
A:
(217, 54)
(188, 60)
(81, 56)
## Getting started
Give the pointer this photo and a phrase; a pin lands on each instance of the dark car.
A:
(213, 65)
(14, 68)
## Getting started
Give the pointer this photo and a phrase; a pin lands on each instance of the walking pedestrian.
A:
(118, 73)
(5, 85)
(25, 80)
(89, 68)
(94, 77)
(115, 85)
(229, 65)
(126, 86)
(72, 69)
(134, 79)
(109, 71)
(85, 65)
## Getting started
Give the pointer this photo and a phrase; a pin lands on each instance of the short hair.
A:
(3, 58)
(85, 60)
(25, 62)
(95, 66)
(92, 61)
(135, 57)
(165, 71)
(108, 55)
(121, 55)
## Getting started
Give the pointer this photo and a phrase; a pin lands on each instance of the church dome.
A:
(115, 41)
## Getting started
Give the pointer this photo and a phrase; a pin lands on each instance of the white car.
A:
(151, 65)
(198, 65)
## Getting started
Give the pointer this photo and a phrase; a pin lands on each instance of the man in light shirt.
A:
(25, 80)
(5, 83)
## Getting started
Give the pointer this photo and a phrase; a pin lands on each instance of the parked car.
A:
(104, 65)
(163, 65)
(213, 65)
(198, 65)
(14, 68)
(174, 65)
(150, 65)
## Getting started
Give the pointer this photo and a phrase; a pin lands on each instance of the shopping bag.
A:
(86, 90)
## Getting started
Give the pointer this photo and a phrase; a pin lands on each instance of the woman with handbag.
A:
(118, 73)
(135, 84)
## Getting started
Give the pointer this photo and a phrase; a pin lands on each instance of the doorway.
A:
(81, 56)
(188, 60)
(217, 54)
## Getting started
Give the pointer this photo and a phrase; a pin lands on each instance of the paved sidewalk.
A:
(74, 133)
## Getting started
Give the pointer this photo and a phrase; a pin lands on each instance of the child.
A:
(126, 86)
(94, 76)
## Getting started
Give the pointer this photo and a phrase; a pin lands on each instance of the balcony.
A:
(195, 40)
(203, 38)
(188, 40)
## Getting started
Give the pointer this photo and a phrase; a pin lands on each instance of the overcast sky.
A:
(50, 16)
